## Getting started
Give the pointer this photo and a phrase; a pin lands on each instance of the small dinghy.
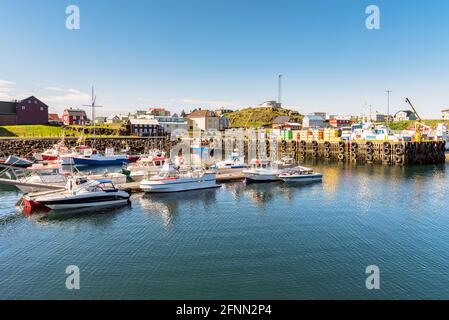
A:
(300, 175)
(79, 193)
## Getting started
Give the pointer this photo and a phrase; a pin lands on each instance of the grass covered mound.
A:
(258, 117)
(410, 125)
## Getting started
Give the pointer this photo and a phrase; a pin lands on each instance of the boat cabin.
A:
(260, 164)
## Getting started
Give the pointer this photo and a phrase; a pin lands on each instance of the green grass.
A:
(30, 131)
(45, 131)
(404, 125)
(257, 117)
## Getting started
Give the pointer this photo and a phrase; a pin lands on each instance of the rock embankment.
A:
(26, 147)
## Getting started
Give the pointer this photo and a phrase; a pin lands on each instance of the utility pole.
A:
(279, 89)
(388, 107)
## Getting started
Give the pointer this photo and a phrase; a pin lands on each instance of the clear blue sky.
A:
(191, 53)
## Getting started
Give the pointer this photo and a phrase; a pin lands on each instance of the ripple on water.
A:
(243, 241)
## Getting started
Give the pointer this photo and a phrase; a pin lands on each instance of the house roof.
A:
(32, 98)
(150, 122)
(53, 117)
(7, 107)
(281, 119)
(446, 110)
(75, 112)
(407, 112)
(201, 114)
(313, 117)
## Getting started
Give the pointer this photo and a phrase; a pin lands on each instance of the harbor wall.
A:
(26, 147)
(382, 152)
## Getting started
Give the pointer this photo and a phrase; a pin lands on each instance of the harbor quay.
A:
(381, 152)
(219, 147)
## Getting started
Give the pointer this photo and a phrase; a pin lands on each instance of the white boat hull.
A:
(261, 175)
(88, 205)
(302, 178)
(177, 185)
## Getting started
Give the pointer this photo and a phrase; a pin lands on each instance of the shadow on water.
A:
(94, 216)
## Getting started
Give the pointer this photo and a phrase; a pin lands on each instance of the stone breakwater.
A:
(26, 147)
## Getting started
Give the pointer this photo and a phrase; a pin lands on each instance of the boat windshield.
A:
(106, 186)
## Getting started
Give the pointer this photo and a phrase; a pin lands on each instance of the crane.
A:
(418, 124)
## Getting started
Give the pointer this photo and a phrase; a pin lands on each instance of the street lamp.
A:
(388, 106)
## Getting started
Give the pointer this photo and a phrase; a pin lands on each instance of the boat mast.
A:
(93, 106)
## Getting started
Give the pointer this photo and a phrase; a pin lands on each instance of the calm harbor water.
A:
(258, 241)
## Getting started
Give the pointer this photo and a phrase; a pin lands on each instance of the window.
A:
(42, 108)
(29, 101)
(35, 101)
(23, 107)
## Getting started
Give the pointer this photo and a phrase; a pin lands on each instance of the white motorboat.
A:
(265, 170)
(262, 170)
(171, 180)
(41, 177)
(235, 161)
(79, 194)
(144, 167)
(300, 175)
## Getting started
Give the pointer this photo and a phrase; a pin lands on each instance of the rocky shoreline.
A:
(26, 147)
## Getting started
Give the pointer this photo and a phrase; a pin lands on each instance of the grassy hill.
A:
(257, 117)
(404, 125)
(45, 131)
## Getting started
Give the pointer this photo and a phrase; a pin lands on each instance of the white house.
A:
(445, 114)
(113, 119)
(100, 120)
(204, 120)
(404, 115)
(313, 121)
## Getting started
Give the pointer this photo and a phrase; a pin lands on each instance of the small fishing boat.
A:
(235, 161)
(262, 170)
(144, 167)
(300, 175)
(79, 193)
(171, 180)
(265, 170)
(92, 157)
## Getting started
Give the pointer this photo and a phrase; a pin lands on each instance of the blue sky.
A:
(213, 53)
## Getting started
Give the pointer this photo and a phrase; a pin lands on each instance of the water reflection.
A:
(263, 193)
(169, 205)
